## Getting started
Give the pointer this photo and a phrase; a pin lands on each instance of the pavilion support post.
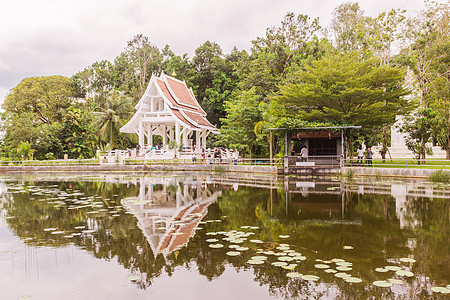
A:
(185, 137)
(204, 135)
(164, 135)
(177, 134)
(141, 134)
(150, 136)
(197, 141)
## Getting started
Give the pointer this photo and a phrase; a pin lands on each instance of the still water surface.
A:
(200, 236)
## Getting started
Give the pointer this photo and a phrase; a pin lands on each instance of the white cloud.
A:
(49, 37)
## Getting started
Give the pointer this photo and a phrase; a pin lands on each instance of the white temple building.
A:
(169, 109)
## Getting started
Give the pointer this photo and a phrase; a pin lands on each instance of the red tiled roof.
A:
(183, 94)
(182, 118)
(173, 102)
(198, 118)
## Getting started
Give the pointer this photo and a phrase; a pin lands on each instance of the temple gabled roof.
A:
(179, 100)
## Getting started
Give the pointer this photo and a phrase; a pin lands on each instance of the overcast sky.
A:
(62, 37)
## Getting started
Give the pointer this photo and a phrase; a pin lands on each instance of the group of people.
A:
(360, 154)
(216, 157)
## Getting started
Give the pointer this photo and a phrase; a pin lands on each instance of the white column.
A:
(177, 134)
(164, 135)
(150, 135)
(141, 134)
(197, 141)
(185, 137)
(204, 138)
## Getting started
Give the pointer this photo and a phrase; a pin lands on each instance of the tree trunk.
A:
(383, 145)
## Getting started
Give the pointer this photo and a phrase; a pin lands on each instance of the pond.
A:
(197, 236)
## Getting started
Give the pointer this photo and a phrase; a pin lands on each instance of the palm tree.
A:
(118, 107)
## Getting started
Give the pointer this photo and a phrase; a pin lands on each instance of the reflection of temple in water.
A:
(169, 210)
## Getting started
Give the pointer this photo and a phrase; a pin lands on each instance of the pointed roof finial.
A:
(174, 74)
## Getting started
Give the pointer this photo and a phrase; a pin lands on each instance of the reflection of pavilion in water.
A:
(169, 210)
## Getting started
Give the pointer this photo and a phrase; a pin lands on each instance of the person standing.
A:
(360, 152)
(138, 148)
(304, 154)
(369, 156)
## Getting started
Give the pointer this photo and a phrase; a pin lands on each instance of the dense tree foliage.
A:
(296, 74)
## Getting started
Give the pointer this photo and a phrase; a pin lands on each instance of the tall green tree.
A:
(109, 119)
(345, 89)
(418, 129)
(243, 114)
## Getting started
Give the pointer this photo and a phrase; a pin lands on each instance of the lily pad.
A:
(289, 267)
(49, 229)
(133, 277)
(404, 273)
(330, 271)
(343, 268)
(215, 246)
(285, 258)
(407, 260)
(57, 232)
(353, 279)
(381, 270)
(382, 283)
(342, 275)
(285, 236)
(293, 274)
(233, 253)
(440, 289)
(347, 248)
(299, 257)
(395, 281)
(212, 240)
(279, 263)
(261, 257)
(234, 246)
(310, 277)
(257, 241)
(255, 261)
(242, 248)
(392, 268)
(321, 266)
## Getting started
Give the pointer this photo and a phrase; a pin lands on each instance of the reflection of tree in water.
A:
(381, 237)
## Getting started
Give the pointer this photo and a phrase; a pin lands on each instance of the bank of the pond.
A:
(144, 168)
(388, 172)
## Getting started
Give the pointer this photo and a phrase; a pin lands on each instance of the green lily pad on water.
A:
(440, 289)
(289, 267)
(330, 271)
(279, 263)
(404, 273)
(242, 248)
(293, 274)
(255, 262)
(49, 229)
(407, 260)
(353, 279)
(382, 283)
(395, 281)
(215, 246)
(57, 232)
(343, 268)
(259, 257)
(286, 258)
(321, 266)
(381, 270)
(342, 275)
(310, 277)
(212, 240)
(285, 236)
(392, 268)
(347, 248)
(257, 241)
(233, 253)
(133, 277)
